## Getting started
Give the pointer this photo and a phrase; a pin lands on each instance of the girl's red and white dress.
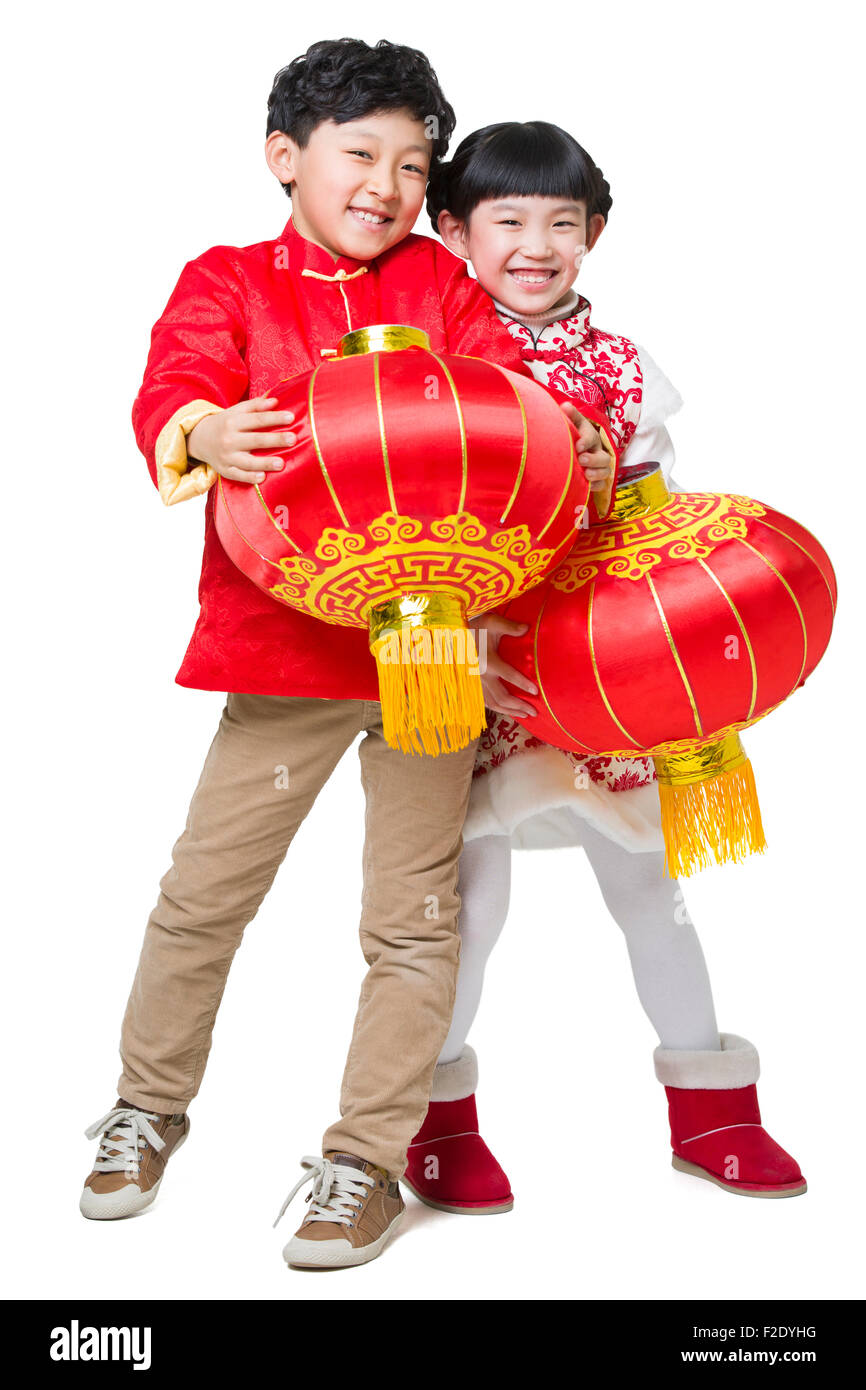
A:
(536, 794)
(529, 795)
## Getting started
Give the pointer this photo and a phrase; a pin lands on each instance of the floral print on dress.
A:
(504, 738)
(574, 356)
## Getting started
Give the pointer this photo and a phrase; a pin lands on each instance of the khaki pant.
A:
(241, 821)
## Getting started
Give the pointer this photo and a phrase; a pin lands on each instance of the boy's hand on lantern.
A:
(496, 696)
(592, 456)
(225, 440)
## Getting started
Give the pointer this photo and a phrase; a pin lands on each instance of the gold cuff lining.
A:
(175, 479)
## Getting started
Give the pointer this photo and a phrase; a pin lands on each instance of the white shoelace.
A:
(335, 1193)
(126, 1131)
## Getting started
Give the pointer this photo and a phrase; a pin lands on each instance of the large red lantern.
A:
(671, 626)
(424, 490)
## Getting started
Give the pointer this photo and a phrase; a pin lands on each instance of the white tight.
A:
(666, 957)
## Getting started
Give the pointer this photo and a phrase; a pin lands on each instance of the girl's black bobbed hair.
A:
(516, 159)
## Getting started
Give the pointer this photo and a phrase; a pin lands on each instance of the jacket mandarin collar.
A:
(306, 255)
(572, 318)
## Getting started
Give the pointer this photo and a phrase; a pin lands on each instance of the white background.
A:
(731, 137)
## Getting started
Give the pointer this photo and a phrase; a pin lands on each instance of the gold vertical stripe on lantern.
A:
(285, 535)
(809, 556)
(521, 467)
(536, 675)
(676, 656)
(741, 625)
(783, 581)
(595, 671)
(464, 457)
(258, 554)
(315, 438)
(562, 496)
(377, 383)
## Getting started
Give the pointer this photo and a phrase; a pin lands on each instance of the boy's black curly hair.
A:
(516, 159)
(343, 79)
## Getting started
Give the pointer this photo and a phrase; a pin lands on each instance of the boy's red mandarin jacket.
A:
(241, 319)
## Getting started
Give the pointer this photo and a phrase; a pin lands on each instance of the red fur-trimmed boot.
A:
(450, 1167)
(716, 1130)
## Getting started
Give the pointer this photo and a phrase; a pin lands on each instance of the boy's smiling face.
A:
(358, 187)
(526, 251)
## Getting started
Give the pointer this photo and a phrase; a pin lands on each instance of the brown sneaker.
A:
(354, 1211)
(133, 1151)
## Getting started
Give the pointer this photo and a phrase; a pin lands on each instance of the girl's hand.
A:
(496, 696)
(225, 440)
(592, 455)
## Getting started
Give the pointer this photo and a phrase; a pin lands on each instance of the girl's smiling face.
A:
(526, 251)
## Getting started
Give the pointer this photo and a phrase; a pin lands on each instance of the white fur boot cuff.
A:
(458, 1079)
(736, 1065)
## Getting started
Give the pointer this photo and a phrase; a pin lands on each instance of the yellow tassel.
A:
(714, 818)
(430, 688)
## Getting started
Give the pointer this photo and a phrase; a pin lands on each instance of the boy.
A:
(352, 133)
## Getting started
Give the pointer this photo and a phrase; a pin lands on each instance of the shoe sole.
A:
(493, 1209)
(116, 1206)
(790, 1190)
(333, 1258)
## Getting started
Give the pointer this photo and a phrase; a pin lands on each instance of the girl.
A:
(525, 203)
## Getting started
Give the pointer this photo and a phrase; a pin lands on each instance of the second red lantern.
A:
(669, 628)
